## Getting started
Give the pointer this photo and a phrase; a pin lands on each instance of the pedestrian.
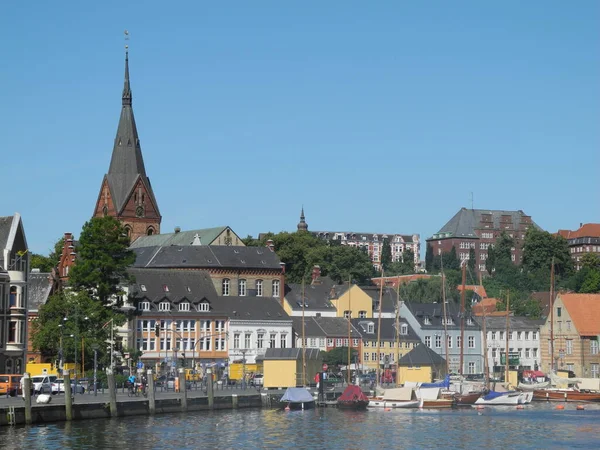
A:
(317, 379)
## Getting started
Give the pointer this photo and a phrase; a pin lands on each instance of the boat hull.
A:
(507, 399)
(439, 403)
(467, 399)
(358, 405)
(383, 403)
(565, 396)
(293, 406)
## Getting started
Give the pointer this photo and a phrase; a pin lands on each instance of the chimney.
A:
(316, 274)
(177, 229)
(282, 265)
(270, 245)
(580, 224)
(68, 237)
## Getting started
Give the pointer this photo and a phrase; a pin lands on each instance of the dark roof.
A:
(466, 221)
(389, 298)
(316, 296)
(544, 300)
(39, 286)
(363, 237)
(493, 323)
(423, 356)
(292, 353)
(127, 163)
(207, 256)
(5, 225)
(388, 329)
(435, 313)
(253, 308)
(204, 236)
(324, 327)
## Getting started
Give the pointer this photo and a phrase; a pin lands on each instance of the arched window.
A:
(13, 296)
(242, 288)
(225, 287)
(275, 288)
(150, 231)
(259, 288)
(128, 230)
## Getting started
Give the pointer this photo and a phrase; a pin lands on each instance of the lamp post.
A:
(243, 352)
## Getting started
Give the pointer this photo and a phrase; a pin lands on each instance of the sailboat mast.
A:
(445, 321)
(486, 369)
(303, 339)
(507, 328)
(462, 316)
(398, 334)
(379, 329)
(349, 327)
(552, 316)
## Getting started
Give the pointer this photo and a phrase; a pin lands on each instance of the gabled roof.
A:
(516, 323)
(203, 236)
(5, 226)
(486, 306)
(253, 308)
(476, 288)
(292, 353)
(435, 313)
(584, 310)
(193, 285)
(127, 163)
(544, 300)
(364, 237)
(12, 238)
(466, 221)
(389, 298)
(206, 257)
(39, 285)
(324, 327)
(423, 356)
(586, 230)
(388, 329)
(316, 296)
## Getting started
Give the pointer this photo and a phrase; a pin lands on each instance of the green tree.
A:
(472, 260)
(103, 257)
(386, 255)
(47, 263)
(347, 262)
(429, 258)
(521, 304)
(591, 282)
(405, 266)
(540, 248)
(450, 260)
(338, 356)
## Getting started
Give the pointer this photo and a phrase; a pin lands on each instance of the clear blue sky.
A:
(377, 116)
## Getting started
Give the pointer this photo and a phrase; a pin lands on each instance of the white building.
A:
(14, 271)
(523, 343)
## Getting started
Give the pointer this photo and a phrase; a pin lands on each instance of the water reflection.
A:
(539, 426)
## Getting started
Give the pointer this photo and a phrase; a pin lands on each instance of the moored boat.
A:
(297, 399)
(565, 395)
(353, 398)
(467, 399)
(395, 398)
(500, 398)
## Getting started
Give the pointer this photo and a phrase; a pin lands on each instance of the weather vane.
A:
(126, 39)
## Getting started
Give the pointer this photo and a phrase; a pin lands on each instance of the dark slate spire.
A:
(127, 163)
(302, 225)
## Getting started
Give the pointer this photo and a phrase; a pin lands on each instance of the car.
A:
(10, 384)
(58, 387)
(160, 381)
(41, 384)
(257, 380)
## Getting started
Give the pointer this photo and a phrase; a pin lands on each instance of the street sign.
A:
(140, 365)
(325, 367)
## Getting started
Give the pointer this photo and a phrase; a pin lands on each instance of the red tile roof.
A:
(487, 306)
(586, 230)
(400, 279)
(478, 289)
(584, 310)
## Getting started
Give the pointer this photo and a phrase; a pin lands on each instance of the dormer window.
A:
(347, 314)
(404, 329)
(204, 307)
(184, 306)
(143, 287)
(362, 314)
(144, 306)
(165, 288)
(370, 328)
(427, 320)
(164, 306)
(470, 321)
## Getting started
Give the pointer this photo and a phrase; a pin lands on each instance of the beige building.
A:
(283, 367)
(576, 332)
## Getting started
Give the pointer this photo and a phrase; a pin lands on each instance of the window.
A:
(559, 311)
(205, 326)
(272, 338)
(144, 306)
(594, 347)
(527, 353)
(568, 325)
(595, 370)
(346, 342)
(220, 344)
(470, 321)
(428, 341)
(236, 340)
(501, 335)
(313, 343)
(185, 306)
(143, 287)
(373, 356)
(275, 288)
(12, 331)
(569, 346)
(534, 335)
(205, 344)
(242, 288)
(471, 341)
(449, 341)
(570, 367)
(471, 367)
(203, 307)
(260, 337)
(366, 357)
(519, 335)
(511, 336)
(458, 342)
(404, 329)
(225, 287)
(527, 335)
(354, 342)
(164, 306)
(493, 335)
(283, 340)
(219, 326)
(494, 353)
(426, 321)
(362, 314)
(247, 338)
(534, 352)
(347, 314)
(371, 328)
(259, 288)
(338, 342)
(321, 342)
(438, 341)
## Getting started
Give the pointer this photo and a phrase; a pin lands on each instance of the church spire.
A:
(302, 225)
(126, 86)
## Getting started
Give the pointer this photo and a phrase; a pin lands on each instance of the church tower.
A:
(302, 225)
(126, 192)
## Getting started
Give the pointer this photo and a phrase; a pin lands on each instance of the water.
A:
(537, 426)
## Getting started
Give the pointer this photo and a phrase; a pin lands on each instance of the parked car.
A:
(58, 387)
(10, 384)
(160, 381)
(42, 384)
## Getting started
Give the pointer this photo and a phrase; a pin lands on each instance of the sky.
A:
(379, 116)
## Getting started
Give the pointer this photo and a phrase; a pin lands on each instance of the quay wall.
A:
(81, 411)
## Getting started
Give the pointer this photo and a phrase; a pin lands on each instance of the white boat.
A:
(501, 398)
(383, 403)
(526, 397)
(395, 398)
(533, 386)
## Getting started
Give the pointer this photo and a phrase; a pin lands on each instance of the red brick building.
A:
(584, 240)
(478, 229)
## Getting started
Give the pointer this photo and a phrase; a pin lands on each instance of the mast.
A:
(486, 369)
(552, 316)
(462, 317)
(303, 340)
(379, 330)
(398, 334)
(507, 328)
(445, 321)
(349, 328)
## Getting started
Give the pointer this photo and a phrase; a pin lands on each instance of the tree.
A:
(103, 257)
(338, 356)
(345, 262)
(386, 255)
(47, 263)
(405, 266)
(521, 304)
(472, 260)
(450, 260)
(429, 258)
(540, 248)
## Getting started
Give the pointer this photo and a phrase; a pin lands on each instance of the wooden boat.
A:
(395, 398)
(353, 398)
(565, 395)
(297, 399)
(467, 399)
(438, 403)
(432, 398)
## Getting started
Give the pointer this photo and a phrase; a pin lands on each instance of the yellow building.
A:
(283, 367)
(354, 300)
(422, 365)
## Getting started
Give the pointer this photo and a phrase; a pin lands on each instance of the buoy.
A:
(287, 408)
(387, 409)
(519, 406)
(560, 406)
(580, 407)
(480, 407)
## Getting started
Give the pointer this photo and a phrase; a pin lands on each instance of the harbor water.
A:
(539, 425)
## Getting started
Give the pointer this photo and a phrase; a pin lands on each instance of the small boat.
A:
(353, 398)
(566, 395)
(467, 399)
(432, 398)
(501, 398)
(297, 399)
(395, 398)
